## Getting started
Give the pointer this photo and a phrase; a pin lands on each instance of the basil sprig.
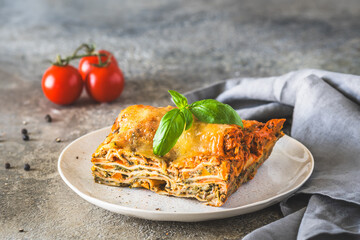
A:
(170, 129)
(212, 111)
(175, 121)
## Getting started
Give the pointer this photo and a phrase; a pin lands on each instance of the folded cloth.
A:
(324, 111)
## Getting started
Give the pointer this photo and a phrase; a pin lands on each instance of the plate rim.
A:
(266, 202)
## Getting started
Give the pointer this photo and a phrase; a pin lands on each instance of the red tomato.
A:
(85, 62)
(104, 84)
(62, 84)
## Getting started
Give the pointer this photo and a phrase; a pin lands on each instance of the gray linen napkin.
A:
(324, 111)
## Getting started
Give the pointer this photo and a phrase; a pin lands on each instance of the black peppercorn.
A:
(26, 167)
(48, 118)
(24, 131)
(7, 165)
(25, 137)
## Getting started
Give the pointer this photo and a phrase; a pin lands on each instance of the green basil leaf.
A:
(179, 99)
(212, 111)
(170, 129)
(188, 117)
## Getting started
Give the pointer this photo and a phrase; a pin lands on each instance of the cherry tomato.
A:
(104, 84)
(62, 84)
(85, 62)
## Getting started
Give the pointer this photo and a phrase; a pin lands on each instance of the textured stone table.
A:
(160, 45)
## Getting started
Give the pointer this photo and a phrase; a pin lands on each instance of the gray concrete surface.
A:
(160, 45)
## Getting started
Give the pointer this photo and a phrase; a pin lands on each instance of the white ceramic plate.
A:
(288, 167)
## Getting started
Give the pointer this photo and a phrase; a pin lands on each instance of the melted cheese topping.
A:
(201, 138)
(137, 125)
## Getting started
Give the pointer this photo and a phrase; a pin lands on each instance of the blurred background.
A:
(159, 45)
(185, 43)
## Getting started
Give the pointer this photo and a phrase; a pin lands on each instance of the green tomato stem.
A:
(103, 64)
(89, 49)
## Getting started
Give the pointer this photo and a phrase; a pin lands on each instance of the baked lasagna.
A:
(209, 161)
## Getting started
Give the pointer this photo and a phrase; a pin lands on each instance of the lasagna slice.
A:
(209, 161)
